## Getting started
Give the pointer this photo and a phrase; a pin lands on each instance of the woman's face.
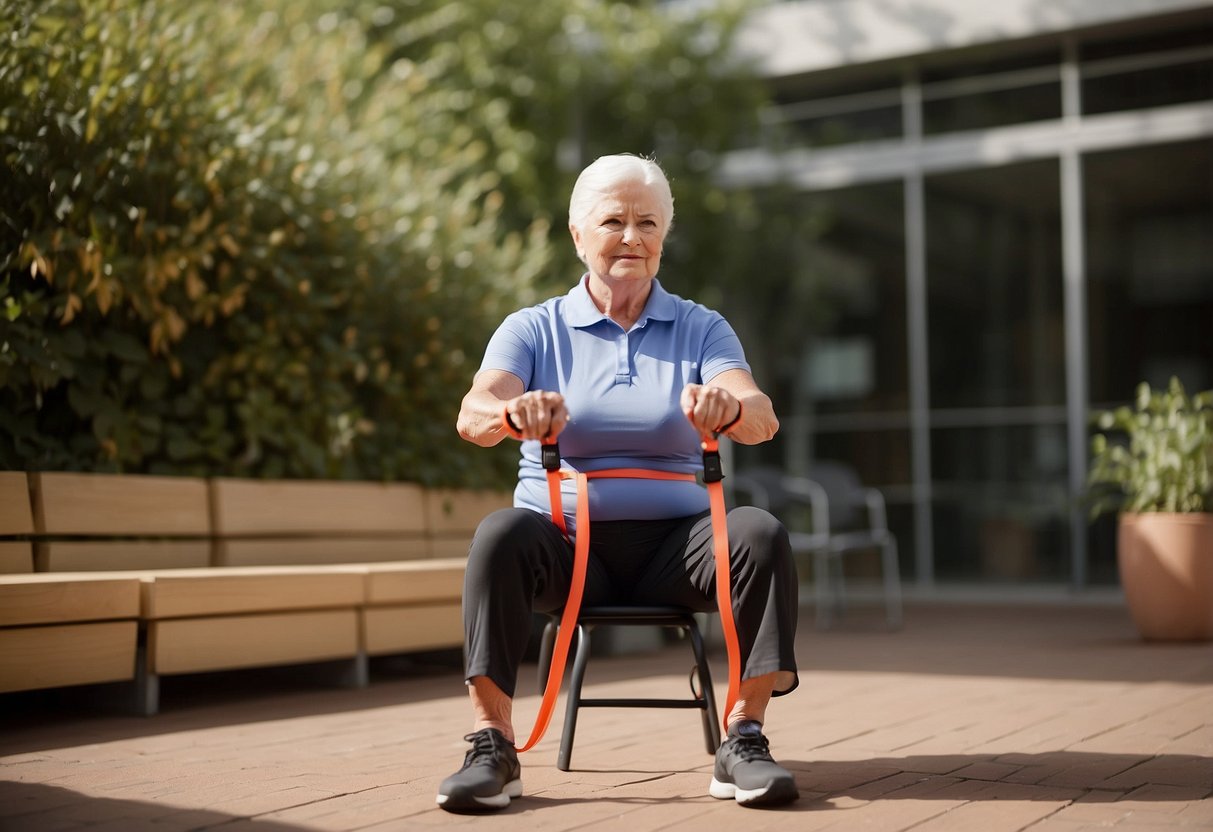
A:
(621, 238)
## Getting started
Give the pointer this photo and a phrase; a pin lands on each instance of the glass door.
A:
(1149, 231)
(997, 374)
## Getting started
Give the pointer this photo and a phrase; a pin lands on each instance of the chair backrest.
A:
(844, 492)
(763, 487)
(767, 487)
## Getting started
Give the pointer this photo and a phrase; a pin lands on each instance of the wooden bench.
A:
(224, 618)
(418, 605)
(275, 522)
(232, 574)
(16, 525)
(67, 629)
(58, 629)
(413, 606)
(112, 522)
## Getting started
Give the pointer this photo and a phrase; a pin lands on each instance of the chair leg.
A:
(821, 587)
(839, 576)
(711, 720)
(546, 643)
(580, 660)
(892, 582)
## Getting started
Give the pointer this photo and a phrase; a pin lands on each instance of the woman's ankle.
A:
(505, 728)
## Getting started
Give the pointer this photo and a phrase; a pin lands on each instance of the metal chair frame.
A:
(662, 616)
(827, 546)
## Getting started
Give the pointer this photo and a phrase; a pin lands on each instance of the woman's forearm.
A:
(479, 419)
(758, 422)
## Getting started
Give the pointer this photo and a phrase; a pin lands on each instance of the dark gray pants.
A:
(520, 563)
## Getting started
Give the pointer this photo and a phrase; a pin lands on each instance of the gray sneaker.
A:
(490, 776)
(745, 771)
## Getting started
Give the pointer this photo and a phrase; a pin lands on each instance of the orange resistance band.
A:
(581, 554)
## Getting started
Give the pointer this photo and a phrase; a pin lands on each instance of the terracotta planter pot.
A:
(1166, 569)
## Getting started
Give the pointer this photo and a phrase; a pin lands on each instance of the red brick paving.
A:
(1049, 718)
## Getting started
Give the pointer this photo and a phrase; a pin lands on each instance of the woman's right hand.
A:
(538, 414)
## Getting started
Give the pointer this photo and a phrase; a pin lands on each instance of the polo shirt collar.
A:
(580, 310)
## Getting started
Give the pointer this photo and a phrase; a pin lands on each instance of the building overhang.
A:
(837, 167)
(793, 38)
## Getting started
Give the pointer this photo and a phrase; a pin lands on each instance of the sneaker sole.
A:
(476, 803)
(781, 791)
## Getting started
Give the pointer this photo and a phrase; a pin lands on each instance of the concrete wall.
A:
(809, 35)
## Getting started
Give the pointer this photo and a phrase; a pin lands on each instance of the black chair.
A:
(843, 516)
(661, 616)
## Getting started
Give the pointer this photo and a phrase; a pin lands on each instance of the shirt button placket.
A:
(623, 371)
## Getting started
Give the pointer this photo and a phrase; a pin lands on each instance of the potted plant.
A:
(1161, 481)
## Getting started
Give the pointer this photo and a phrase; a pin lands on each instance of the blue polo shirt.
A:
(622, 391)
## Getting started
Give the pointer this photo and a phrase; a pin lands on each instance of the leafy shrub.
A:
(1167, 463)
(271, 239)
(190, 284)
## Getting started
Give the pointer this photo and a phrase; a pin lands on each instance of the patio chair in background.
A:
(842, 516)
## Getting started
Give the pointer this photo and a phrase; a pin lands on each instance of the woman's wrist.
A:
(508, 423)
(724, 429)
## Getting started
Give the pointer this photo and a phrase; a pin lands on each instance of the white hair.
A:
(606, 172)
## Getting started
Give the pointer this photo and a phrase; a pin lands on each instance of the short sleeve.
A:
(721, 350)
(512, 347)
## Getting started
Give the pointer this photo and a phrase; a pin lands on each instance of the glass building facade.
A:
(1013, 234)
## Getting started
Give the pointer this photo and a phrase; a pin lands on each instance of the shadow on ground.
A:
(1048, 776)
(1017, 776)
(39, 719)
(33, 807)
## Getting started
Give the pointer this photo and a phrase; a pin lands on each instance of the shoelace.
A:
(749, 749)
(485, 749)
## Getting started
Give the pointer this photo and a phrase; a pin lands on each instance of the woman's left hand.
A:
(709, 408)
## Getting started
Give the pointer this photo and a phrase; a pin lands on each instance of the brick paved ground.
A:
(1048, 718)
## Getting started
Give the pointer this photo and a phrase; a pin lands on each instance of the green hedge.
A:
(271, 240)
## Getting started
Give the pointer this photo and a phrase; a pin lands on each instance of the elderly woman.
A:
(627, 375)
